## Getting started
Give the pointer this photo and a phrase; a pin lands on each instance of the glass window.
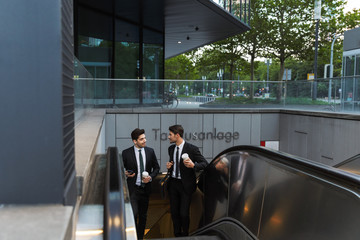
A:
(109, 51)
(221, 3)
(153, 15)
(127, 64)
(94, 50)
(357, 81)
(153, 63)
(349, 85)
(349, 66)
(128, 10)
(244, 10)
(239, 8)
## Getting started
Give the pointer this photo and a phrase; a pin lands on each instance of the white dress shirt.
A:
(138, 177)
(181, 146)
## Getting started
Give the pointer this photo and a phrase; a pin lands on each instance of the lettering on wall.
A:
(214, 135)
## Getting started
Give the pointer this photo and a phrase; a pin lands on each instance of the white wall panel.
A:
(110, 130)
(125, 123)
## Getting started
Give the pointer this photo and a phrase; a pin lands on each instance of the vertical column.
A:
(32, 141)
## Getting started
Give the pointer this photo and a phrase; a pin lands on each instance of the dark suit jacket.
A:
(188, 176)
(130, 163)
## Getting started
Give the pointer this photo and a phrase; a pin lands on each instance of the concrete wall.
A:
(211, 132)
(326, 138)
(31, 103)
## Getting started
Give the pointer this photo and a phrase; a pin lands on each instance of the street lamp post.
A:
(203, 78)
(220, 75)
(331, 62)
(238, 73)
(317, 16)
(268, 63)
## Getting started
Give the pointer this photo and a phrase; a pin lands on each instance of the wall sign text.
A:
(214, 135)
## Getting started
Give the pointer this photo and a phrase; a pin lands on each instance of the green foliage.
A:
(180, 67)
(282, 30)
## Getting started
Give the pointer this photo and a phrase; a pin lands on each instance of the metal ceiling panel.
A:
(196, 23)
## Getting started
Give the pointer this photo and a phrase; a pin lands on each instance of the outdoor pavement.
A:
(188, 103)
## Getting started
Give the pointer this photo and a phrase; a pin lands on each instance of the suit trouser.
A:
(140, 203)
(179, 207)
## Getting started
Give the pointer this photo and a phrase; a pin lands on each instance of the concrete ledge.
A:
(324, 114)
(54, 222)
(87, 131)
(314, 113)
(191, 110)
(45, 222)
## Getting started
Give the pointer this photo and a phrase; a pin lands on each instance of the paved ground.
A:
(191, 103)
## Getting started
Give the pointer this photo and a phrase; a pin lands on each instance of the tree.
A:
(225, 55)
(253, 42)
(283, 30)
(180, 67)
(289, 32)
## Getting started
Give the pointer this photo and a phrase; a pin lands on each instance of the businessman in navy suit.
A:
(182, 183)
(138, 159)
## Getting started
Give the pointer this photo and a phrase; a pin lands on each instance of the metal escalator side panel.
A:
(247, 186)
(281, 199)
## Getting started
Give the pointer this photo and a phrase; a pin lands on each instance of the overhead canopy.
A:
(196, 23)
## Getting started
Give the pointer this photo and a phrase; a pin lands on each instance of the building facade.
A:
(351, 70)
(113, 39)
(123, 42)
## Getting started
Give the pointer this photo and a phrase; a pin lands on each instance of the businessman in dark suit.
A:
(138, 159)
(182, 183)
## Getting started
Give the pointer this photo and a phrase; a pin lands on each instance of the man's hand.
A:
(129, 174)
(169, 164)
(146, 179)
(188, 163)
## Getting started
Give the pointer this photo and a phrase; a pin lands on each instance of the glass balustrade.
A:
(336, 95)
(239, 8)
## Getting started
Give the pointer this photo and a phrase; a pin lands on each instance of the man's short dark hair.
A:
(135, 134)
(177, 129)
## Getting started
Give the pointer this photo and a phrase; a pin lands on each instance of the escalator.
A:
(245, 193)
(351, 165)
(105, 210)
(273, 196)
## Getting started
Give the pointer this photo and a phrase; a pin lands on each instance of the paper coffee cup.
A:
(185, 156)
(145, 174)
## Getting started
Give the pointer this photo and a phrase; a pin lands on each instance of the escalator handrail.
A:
(213, 225)
(342, 178)
(114, 203)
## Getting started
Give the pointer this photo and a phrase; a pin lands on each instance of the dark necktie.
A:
(177, 163)
(141, 167)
